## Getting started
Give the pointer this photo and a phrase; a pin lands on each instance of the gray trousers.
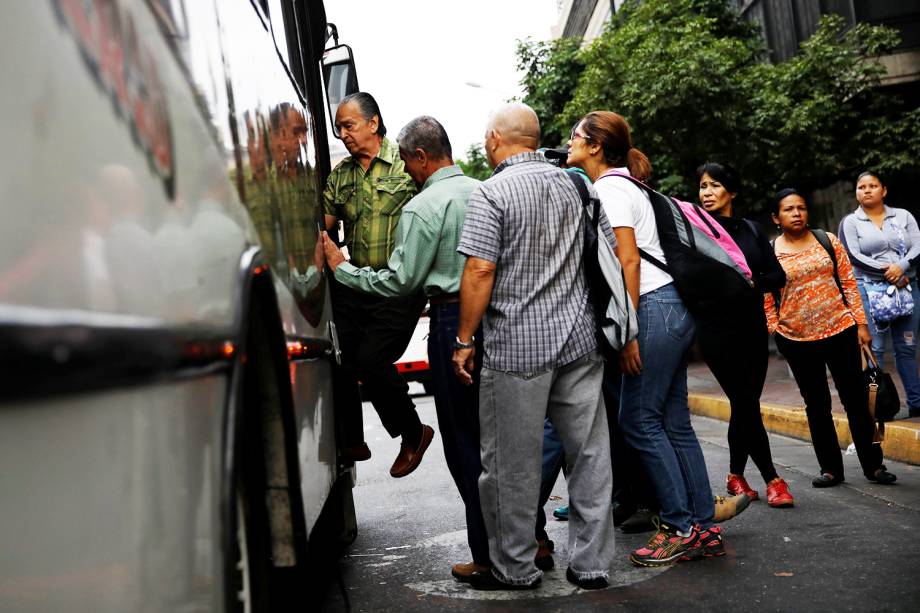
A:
(512, 407)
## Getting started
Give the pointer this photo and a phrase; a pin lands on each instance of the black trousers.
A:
(373, 333)
(631, 485)
(734, 346)
(840, 353)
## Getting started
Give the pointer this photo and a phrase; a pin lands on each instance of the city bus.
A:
(167, 439)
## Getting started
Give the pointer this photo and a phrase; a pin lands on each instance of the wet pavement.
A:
(850, 548)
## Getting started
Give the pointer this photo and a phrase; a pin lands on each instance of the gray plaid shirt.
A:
(527, 218)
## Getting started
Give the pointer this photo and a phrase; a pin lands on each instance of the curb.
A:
(902, 438)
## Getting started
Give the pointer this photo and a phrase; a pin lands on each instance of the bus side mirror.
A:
(340, 78)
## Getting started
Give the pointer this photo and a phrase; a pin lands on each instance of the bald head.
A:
(517, 124)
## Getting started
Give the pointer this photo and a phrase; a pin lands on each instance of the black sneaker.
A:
(643, 520)
(826, 480)
(882, 477)
(597, 583)
(622, 512)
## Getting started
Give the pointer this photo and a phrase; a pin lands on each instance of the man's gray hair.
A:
(427, 134)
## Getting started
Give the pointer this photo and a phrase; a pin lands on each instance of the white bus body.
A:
(166, 429)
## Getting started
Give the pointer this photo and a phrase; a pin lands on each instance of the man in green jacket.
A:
(367, 192)
(425, 257)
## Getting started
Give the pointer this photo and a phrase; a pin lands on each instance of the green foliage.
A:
(806, 110)
(475, 165)
(672, 68)
(690, 78)
(551, 71)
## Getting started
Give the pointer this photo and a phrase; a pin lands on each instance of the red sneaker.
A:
(710, 543)
(778, 494)
(737, 484)
(667, 547)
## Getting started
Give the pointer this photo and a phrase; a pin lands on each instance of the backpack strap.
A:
(777, 297)
(648, 257)
(580, 187)
(645, 255)
(822, 238)
(591, 223)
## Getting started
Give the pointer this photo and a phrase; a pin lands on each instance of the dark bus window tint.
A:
(298, 197)
(275, 161)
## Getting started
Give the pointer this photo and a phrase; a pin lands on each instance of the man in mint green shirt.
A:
(425, 256)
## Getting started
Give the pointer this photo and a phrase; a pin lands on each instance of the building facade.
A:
(785, 24)
(584, 18)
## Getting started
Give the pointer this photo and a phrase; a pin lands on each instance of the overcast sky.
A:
(416, 56)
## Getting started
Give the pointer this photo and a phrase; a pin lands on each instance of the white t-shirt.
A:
(627, 206)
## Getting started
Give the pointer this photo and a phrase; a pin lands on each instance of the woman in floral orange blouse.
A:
(819, 323)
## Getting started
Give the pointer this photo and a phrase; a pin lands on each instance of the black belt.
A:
(444, 299)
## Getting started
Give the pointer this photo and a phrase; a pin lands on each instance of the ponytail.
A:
(612, 132)
(639, 165)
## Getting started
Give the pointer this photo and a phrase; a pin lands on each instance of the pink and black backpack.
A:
(709, 269)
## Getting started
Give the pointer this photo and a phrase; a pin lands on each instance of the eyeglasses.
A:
(573, 135)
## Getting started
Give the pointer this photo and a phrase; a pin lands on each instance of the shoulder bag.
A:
(884, 402)
(888, 302)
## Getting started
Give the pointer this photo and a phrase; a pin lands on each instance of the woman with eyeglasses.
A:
(734, 340)
(654, 416)
(818, 325)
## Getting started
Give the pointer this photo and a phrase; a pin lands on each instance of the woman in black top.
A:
(734, 340)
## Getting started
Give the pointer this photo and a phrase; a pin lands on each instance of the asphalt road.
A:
(851, 548)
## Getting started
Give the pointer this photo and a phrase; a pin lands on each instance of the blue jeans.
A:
(457, 406)
(655, 418)
(904, 340)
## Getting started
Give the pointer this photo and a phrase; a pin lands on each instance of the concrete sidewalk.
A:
(784, 412)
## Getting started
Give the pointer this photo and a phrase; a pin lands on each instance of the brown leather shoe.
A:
(408, 458)
(354, 453)
(463, 571)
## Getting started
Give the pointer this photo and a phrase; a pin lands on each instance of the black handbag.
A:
(884, 402)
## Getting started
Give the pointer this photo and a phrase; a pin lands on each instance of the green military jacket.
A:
(369, 203)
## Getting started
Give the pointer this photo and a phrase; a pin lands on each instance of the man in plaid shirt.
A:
(524, 239)
(367, 191)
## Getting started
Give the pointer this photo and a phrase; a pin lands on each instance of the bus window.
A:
(298, 196)
(276, 17)
(275, 170)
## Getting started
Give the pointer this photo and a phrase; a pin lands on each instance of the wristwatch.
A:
(458, 344)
